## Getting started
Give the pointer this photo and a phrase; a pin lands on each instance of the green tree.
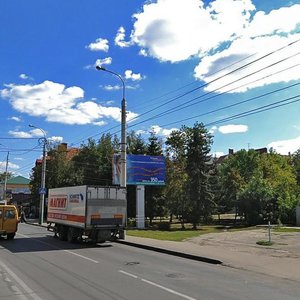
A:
(234, 174)
(176, 175)
(136, 144)
(153, 194)
(199, 169)
(257, 202)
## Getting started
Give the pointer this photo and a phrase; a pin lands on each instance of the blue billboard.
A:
(146, 170)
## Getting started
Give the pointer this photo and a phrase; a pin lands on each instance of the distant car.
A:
(9, 220)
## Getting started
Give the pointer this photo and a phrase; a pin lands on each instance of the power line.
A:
(221, 77)
(258, 110)
(185, 105)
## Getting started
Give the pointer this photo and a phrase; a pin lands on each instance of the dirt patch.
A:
(285, 244)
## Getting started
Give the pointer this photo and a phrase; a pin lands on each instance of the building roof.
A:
(18, 180)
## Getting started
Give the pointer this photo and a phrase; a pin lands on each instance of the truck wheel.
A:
(63, 233)
(10, 236)
(72, 235)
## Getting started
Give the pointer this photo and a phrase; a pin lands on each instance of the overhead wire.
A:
(206, 84)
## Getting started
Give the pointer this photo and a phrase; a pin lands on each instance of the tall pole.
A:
(123, 176)
(43, 177)
(5, 179)
(43, 184)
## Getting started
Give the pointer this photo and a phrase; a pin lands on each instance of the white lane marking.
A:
(159, 286)
(26, 288)
(68, 251)
(128, 274)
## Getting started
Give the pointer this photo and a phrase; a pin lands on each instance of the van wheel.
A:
(72, 235)
(10, 236)
(62, 233)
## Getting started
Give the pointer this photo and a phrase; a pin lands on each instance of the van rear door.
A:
(9, 219)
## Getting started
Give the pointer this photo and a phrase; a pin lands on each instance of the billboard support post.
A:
(140, 206)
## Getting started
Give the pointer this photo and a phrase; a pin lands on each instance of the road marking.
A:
(68, 251)
(128, 274)
(159, 286)
(26, 288)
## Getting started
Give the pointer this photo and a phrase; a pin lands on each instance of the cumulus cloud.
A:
(11, 166)
(100, 62)
(162, 131)
(58, 103)
(221, 33)
(226, 129)
(55, 139)
(26, 134)
(285, 147)
(120, 38)
(23, 76)
(17, 119)
(133, 76)
(99, 45)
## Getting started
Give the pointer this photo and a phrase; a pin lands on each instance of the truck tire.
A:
(10, 236)
(72, 235)
(62, 232)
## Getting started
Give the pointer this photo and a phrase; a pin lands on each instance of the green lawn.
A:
(173, 235)
(285, 229)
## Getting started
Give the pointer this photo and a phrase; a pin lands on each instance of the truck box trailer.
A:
(93, 213)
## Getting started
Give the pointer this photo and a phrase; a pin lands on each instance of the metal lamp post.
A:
(43, 178)
(123, 179)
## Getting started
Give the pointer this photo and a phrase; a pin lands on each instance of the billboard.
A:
(146, 170)
(141, 169)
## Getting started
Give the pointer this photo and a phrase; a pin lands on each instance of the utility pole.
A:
(5, 180)
(42, 190)
(43, 183)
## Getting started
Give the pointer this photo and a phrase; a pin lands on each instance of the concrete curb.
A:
(172, 252)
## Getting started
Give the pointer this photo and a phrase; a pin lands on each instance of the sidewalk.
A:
(238, 250)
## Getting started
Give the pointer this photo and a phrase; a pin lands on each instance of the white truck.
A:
(92, 213)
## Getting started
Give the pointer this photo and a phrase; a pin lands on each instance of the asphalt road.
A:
(37, 266)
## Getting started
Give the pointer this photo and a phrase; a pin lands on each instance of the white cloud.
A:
(57, 103)
(120, 38)
(213, 130)
(174, 30)
(100, 62)
(23, 76)
(221, 33)
(217, 154)
(233, 129)
(55, 139)
(26, 134)
(133, 76)
(99, 45)
(162, 131)
(17, 119)
(111, 87)
(285, 147)
(143, 52)
(10, 166)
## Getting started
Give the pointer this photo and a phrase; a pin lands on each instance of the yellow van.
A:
(9, 220)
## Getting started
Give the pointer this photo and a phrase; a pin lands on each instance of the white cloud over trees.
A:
(58, 103)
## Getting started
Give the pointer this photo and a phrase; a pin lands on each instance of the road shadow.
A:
(33, 243)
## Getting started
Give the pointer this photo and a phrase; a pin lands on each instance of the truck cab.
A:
(8, 221)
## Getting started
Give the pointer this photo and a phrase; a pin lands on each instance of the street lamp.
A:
(123, 179)
(43, 179)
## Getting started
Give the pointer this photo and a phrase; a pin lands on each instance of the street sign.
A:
(42, 191)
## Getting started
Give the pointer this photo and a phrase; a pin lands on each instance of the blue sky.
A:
(186, 60)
